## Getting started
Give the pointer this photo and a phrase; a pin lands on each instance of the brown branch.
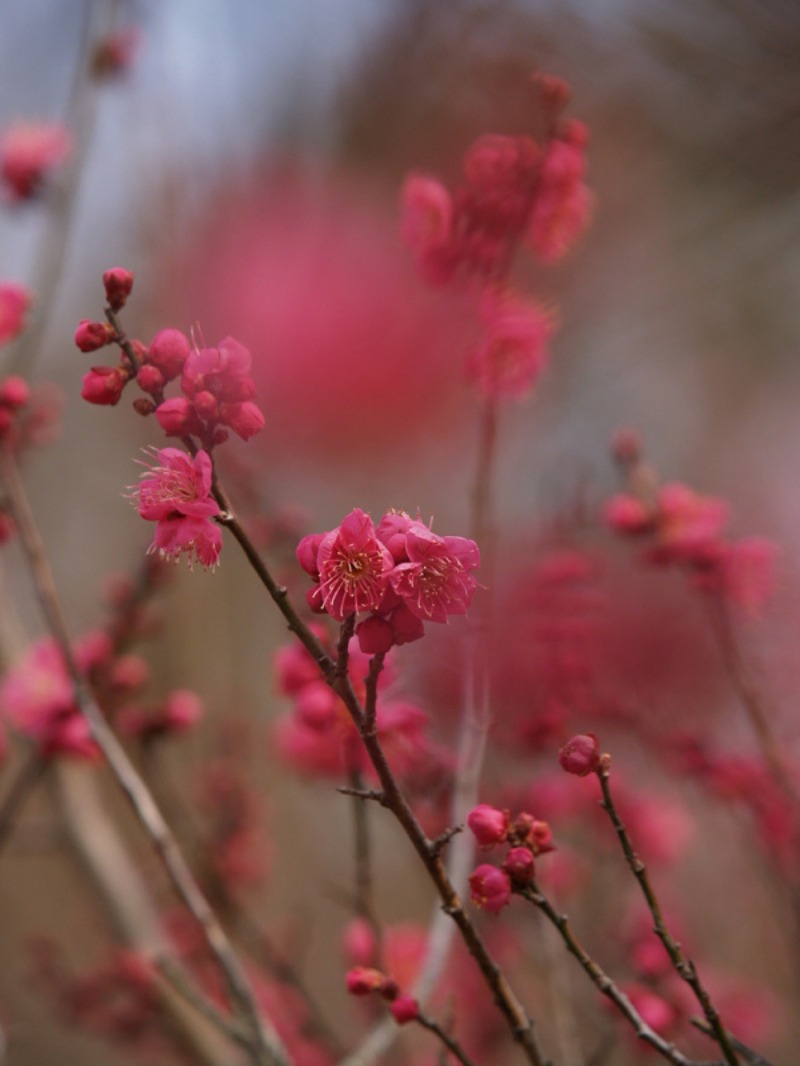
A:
(684, 967)
(449, 1042)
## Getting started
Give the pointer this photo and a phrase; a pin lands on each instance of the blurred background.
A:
(246, 165)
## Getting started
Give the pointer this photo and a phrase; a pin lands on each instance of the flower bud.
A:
(362, 980)
(168, 351)
(580, 755)
(245, 419)
(405, 1009)
(89, 336)
(490, 888)
(150, 379)
(176, 416)
(118, 284)
(104, 385)
(519, 866)
(14, 392)
(488, 824)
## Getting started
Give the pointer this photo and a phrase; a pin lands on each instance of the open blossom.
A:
(490, 888)
(38, 699)
(437, 580)
(28, 152)
(563, 202)
(177, 496)
(353, 567)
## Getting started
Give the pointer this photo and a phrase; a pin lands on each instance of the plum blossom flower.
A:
(38, 699)
(353, 567)
(177, 496)
(28, 152)
(436, 581)
(490, 888)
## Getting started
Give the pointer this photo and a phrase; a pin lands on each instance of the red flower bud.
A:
(168, 351)
(405, 1009)
(580, 755)
(89, 336)
(118, 284)
(362, 980)
(489, 824)
(14, 392)
(104, 384)
(490, 888)
(519, 866)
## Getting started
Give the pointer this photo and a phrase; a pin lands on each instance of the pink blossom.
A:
(748, 572)
(14, 303)
(181, 484)
(37, 697)
(29, 151)
(353, 567)
(199, 538)
(627, 514)
(177, 495)
(490, 888)
(513, 351)
(437, 580)
(362, 980)
(690, 526)
(177, 417)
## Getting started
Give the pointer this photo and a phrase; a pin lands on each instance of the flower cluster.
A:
(175, 493)
(514, 189)
(216, 387)
(399, 573)
(687, 529)
(525, 836)
(29, 152)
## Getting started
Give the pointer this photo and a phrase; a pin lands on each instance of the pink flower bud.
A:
(14, 392)
(118, 284)
(89, 336)
(176, 416)
(519, 866)
(375, 636)
(488, 824)
(14, 303)
(104, 385)
(206, 405)
(490, 888)
(307, 551)
(181, 710)
(627, 514)
(245, 419)
(168, 351)
(580, 755)
(362, 980)
(150, 379)
(405, 1009)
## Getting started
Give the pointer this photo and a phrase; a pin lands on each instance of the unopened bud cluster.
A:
(525, 837)
(215, 384)
(365, 980)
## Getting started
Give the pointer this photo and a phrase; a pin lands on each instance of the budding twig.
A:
(684, 967)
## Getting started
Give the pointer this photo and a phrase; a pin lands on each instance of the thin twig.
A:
(449, 1042)
(684, 967)
(603, 982)
(30, 773)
